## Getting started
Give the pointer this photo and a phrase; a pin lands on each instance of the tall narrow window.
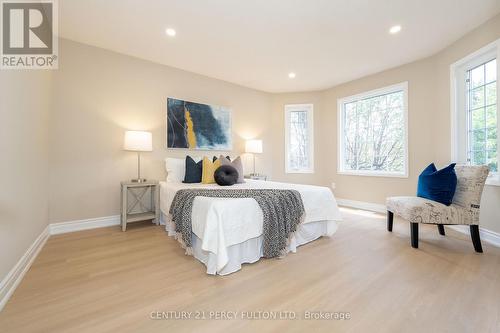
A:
(373, 133)
(481, 85)
(299, 138)
(474, 107)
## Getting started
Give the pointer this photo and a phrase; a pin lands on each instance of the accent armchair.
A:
(464, 209)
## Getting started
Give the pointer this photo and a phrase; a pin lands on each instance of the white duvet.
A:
(222, 222)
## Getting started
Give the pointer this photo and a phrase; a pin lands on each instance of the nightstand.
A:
(140, 202)
(256, 177)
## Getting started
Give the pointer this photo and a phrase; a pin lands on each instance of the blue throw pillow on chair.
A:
(438, 185)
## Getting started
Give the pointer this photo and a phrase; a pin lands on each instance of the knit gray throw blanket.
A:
(282, 210)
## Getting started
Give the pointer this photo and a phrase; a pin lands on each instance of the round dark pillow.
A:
(226, 175)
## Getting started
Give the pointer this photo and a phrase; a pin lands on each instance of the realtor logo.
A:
(29, 39)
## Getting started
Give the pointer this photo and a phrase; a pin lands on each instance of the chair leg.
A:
(476, 240)
(390, 219)
(414, 235)
(441, 229)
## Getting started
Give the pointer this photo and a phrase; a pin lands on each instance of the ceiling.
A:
(256, 43)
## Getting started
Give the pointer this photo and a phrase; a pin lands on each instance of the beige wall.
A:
(98, 95)
(421, 100)
(429, 126)
(24, 111)
(482, 36)
(371, 189)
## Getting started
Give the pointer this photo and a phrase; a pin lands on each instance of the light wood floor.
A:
(104, 280)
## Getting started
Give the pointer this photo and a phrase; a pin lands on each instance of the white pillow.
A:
(176, 168)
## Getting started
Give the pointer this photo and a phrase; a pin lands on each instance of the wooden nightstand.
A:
(140, 202)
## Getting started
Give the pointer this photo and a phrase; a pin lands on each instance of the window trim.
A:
(458, 71)
(340, 138)
(309, 108)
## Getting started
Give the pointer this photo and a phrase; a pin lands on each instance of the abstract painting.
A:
(198, 126)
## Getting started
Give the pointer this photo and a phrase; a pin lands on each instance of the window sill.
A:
(372, 174)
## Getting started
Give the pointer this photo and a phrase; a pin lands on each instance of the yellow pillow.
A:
(209, 167)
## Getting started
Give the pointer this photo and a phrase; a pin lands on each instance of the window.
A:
(373, 133)
(299, 138)
(482, 115)
(475, 110)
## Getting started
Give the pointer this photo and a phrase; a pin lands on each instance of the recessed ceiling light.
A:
(291, 75)
(395, 29)
(171, 32)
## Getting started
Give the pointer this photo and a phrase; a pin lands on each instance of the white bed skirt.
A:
(251, 250)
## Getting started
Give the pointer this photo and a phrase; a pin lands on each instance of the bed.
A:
(227, 232)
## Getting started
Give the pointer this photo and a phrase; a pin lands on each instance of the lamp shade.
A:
(138, 141)
(253, 146)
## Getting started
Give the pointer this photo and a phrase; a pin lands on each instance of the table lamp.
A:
(138, 141)
(253, 147)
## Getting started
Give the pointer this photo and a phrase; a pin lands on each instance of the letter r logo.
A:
(27, 27)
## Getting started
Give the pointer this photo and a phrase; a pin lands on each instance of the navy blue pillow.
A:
(193, 171)
(438, 185)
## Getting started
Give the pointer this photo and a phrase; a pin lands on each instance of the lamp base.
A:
(138, 180)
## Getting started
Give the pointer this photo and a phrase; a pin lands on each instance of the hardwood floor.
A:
(104, 280)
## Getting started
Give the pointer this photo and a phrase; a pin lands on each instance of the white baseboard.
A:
(14, 277)
(16, 274)
(373, 207)
(78, 225)
(488, 236)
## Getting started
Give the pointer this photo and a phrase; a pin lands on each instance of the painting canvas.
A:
(198, 126)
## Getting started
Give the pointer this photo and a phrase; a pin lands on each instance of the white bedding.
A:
(251, 250)
(222, 222)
